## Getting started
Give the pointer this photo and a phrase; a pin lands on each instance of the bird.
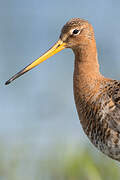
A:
(97, 98)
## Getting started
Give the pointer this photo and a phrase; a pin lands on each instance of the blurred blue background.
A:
(38, 109)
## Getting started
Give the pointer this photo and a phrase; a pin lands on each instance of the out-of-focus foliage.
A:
(21, 163)
(86, 167)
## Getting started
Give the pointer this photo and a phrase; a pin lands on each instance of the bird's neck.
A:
(87, 79)
(86, 70)
(86, 56)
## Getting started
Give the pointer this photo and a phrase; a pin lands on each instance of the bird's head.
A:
(75, 33)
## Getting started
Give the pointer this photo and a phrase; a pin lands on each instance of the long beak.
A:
(60, 45)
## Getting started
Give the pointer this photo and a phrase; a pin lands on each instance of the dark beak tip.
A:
(15, 76)
(7, 82)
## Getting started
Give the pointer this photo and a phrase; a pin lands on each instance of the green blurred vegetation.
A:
(25, 162)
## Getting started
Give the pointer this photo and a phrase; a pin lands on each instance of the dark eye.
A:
(76, 31)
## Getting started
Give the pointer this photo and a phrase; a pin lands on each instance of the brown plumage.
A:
(97, 98)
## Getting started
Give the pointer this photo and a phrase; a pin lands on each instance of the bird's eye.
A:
(76, 31)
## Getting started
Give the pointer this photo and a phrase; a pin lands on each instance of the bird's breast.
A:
(94, 107)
